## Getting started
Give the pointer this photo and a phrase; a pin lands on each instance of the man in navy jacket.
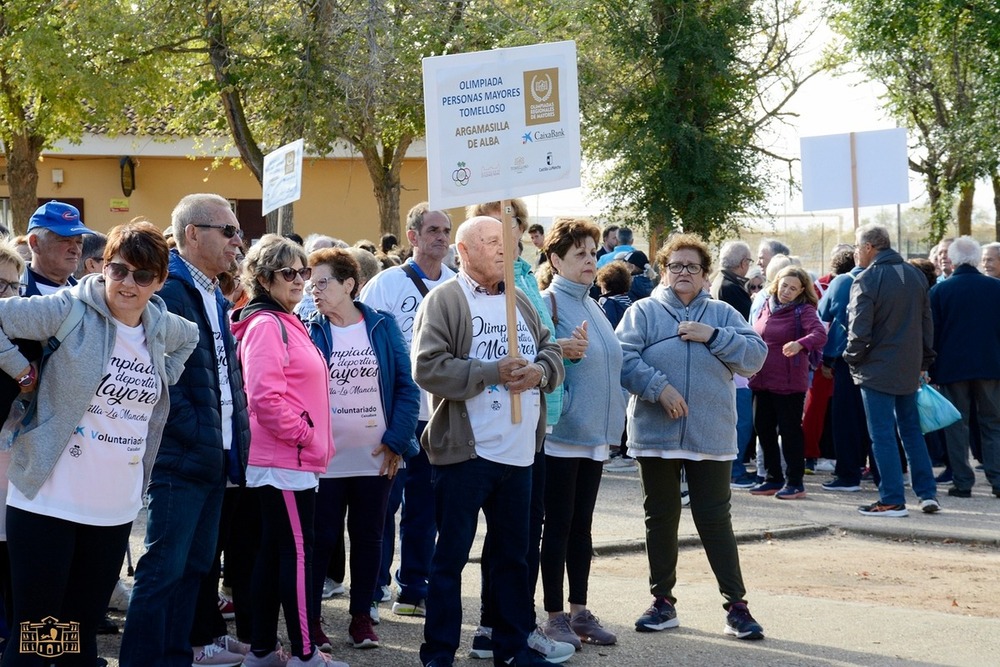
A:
(205, 442)
(967, 367)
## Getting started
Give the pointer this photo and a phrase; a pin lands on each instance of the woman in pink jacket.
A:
(789, 325)
(291, 442)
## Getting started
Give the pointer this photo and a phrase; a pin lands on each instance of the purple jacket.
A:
(781, 374)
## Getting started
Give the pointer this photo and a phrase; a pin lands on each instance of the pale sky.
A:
(826, 104)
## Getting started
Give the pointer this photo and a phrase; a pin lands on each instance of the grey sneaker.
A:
(553, 651)
(589, 629)
(557, 628)
(276, 658)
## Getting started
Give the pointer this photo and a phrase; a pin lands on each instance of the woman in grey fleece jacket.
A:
(593, 417)
(681, 350)
(80, 465)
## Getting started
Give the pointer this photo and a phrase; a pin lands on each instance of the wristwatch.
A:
(28, 378)
(545, 378)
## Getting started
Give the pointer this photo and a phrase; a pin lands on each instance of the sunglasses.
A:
(289, 273)
(229, 231)
(141, 277)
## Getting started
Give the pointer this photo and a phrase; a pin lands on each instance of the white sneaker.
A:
(332, 588)
(386, 594)
(825, 465)
(620, 464)
(232, 644)
(553, 651)
(276, 658)
(120, 596)
(216, 656)
(373, 612)
(930, 505)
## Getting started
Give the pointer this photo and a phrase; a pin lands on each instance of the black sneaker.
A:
(878, 509)
(482, 644)
(956, 492)
(740, 624)
(837, 484)
(660, 616)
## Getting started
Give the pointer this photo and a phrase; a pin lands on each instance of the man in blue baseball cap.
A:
(55, 236)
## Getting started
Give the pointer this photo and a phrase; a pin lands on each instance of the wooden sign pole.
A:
(509, 254)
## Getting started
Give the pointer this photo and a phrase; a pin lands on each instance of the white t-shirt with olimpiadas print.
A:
(97, 480)
(355, 402)
(393, 290)
(497, 439)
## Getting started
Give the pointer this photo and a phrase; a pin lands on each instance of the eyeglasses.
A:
(754, 288)
(289, 273)
(10, 286)
(321, 284)
(677, 267)
(141, 277)
(229, 231)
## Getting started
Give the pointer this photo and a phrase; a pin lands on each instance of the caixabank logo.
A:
(541, 99)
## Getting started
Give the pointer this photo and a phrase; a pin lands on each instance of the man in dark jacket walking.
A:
(205, 442)
(967, 337)
(889, 347)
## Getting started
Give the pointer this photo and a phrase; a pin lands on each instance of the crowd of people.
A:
(259, 400)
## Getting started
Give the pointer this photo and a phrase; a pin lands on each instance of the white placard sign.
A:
(502, 123)
(282, 180)
(882, 169)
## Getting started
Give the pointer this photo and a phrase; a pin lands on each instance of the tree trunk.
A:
(229, 92)
(968, 191)
(287, 220)
(996, 204)
(385, 170)
(23, 151)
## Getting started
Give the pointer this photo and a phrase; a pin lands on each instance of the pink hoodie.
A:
(288, 393)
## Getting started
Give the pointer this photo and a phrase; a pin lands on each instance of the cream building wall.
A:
(337, 197)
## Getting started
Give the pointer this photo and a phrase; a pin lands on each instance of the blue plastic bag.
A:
(936, 411)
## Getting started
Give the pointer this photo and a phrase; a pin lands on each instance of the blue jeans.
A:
(744, 429)
(503, 493)
(887, 413)
(182, 527)
(412, 487)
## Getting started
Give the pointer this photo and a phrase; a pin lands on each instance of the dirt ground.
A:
(952, 578)
(942, 577)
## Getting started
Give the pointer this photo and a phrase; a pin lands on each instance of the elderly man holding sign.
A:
(481, 459)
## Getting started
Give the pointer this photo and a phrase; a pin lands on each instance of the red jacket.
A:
(794, 322)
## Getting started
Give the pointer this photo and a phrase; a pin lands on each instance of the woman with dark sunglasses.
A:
(81, 463)
(291, 443)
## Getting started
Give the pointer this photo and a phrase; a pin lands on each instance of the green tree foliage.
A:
(336, 73)
(677, 96)
(940, 63)
(63, 66)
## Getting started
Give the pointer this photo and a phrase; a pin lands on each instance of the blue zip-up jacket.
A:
(30, 281)
(399, 393)
(192, 437)
(593, 411)
(655, 356)
(525, 281)
(833, 309)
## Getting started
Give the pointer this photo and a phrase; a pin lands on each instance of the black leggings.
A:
(66, 571)
(571, 487)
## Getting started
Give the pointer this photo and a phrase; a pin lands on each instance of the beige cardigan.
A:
(442, 340)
